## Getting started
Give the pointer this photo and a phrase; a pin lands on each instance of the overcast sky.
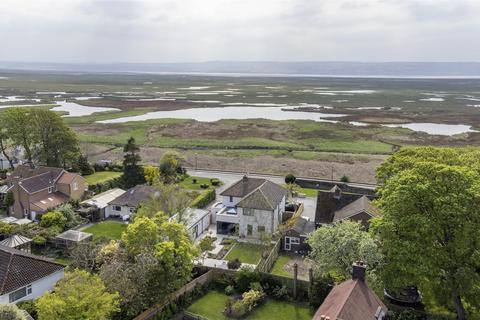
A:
(96, 31)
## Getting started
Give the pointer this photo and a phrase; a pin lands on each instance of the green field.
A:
(102, 176)
(213, 303)
(108, 229)
(245, 252)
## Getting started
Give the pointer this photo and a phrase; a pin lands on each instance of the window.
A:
(19, 294)
(294, 240)
(50, 189)
(131, 210)
(75, 187)
(117, 208)
(249, 229)
(25, 211)
(29, 289)
(261, 228)
(248, 212)
(231, 199)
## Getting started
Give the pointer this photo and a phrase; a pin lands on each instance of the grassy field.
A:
(278, 266)
(109, 229)
(245, 252)
(102, 176)
(213, 303)
(188, 183)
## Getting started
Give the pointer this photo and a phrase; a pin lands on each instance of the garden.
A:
(108, 229)
(245, 252)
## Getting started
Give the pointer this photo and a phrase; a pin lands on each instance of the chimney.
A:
(244, 184)
(358, 270)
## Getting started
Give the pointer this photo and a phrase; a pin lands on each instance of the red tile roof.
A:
(51, 201)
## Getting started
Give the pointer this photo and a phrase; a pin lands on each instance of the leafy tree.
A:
(6, 144)
(132, 171)
(290, 178)
(335, 247)
(140, 236)
(18, 125)
(53, 219)
(293, 190)
(73, 218)
(9, 199)
(430, 228)
(6, 228)
(84, 256)
(80, 295)
(152, 174)
(206, 244)
(83, 166)
(169, 199)
(170, 166)
(11, 312)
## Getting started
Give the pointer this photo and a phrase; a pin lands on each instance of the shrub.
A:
(290, 178)
(204, 186)
(194, 181)
(11, 312)
(53, 219)
(204, 199)
(215, 182)
(238, 309)
(229, 290)
(256, 286)
(234, 264)
(39, 240)
(251, 298)
(319, 290)
(281, 293)
(345, 179)
(28, 306)
(244, 277)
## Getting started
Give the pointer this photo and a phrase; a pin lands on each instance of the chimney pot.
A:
(359, 270)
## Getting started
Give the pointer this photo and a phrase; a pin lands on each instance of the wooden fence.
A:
(266, 264)
(205, 278)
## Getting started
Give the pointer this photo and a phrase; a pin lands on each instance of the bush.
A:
(319, 290)
(39, 240)
(229, 290)
(215, 182)
(256, 286)
(194, 181)
(290, 178)
(11, 312)
(244, 277)
(234, 264)
(28, 306)
(204, 186)
(204, 199)
(345, 179)
(53, 219)
(237, 310)
(281, 293)
(251, 298)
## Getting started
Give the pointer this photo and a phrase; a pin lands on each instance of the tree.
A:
(345, 179)
(80, 295)
(152, 174)
(132, 171)
(84, 256)
(430, 227)
(9, 200)
(53, 219)
(18, 125)
(169, 199)
(83, 166)
(170, 166)
(335, 247)
(293, 190)
(6, 144)
(290, 178)
(11, 312)
(140, 236)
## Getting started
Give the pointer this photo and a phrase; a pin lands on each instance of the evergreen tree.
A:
(132, 171)
(83, 166)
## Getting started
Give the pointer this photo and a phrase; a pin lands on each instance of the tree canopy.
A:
(132, 171)
(80, 295)
(430, 229)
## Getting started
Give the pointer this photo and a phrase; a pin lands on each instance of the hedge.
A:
(204, 199)
(107, 185)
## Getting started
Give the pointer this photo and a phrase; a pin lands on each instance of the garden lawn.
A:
(188, 183)
(102, 176)
(278, 266)
(213, 303)
(109, 229)
(245, 252)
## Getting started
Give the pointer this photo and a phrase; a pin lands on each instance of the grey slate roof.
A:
(360, 205)
(35, 179)
(265, 196)
(134, 196)
(303, 226)
(18, 269)
(243, 187)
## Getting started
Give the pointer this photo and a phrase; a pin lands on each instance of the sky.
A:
(110, 31)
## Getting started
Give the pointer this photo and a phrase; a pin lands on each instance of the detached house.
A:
(25, 276)
(38, 189)
(252, 206)
(127, 202)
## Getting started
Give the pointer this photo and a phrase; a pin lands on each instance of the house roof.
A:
(18, 269)
(350, 300)
(52, 200)
(134, 196)
(15, 241)
(74, 235)
(303, 226)
(102, 200)
(35, 179)
(67, 177)
(256, 193)
(360, 205)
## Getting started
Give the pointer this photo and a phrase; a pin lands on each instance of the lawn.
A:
(188, 183)
(108, 229)
(213, 303)
(245, 252)
(102, 176)
(278, 266)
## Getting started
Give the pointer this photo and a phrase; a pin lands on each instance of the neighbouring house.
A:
(125, 205)
(71, 238)
(25, 276)
(295, 238)
(352, 300)
(252, 206)
(39, 189)
(335, 205)
(17, 241)
(196, 221)
(100, 202)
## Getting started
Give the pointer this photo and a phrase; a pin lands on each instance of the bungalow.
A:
(38, 189)
(25, 276)
(252, 206)
(125, 205)
(100, 202)
(352, 300)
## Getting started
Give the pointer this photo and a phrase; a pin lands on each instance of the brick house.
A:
(38, 189)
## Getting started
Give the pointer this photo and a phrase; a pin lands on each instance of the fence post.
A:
(295, 277)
